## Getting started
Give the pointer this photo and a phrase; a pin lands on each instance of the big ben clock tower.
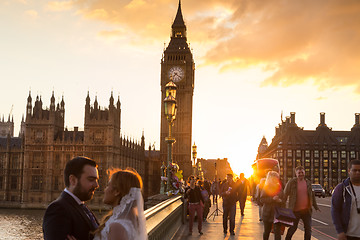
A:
(178, 63)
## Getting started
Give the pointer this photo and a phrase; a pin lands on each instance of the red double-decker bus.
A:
(260, 168)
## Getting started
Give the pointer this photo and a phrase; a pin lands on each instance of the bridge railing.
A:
(165, 218)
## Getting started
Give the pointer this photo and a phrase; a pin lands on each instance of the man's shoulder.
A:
(308, 182)
(57, 203)
(62, 202)
(340, 187)
(346, 182)
(292, 181)
(337, 195)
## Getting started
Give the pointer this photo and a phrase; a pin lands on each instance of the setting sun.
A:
(242, 167)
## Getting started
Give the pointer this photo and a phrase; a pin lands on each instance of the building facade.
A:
(7, 127)
(214, 168)
(178, 64)
(31, 166)
(324, 152)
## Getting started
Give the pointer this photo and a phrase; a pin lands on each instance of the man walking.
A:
(215, 190)
(345, 205)
(301, 201)
(243, 185)
(68, 215)
(230, 196)
(196, 204)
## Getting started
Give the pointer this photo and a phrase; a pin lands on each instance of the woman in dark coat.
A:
(271, 197)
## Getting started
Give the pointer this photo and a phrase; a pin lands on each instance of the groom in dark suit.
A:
(68, 215)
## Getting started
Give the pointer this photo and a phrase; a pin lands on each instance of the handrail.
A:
(153, 210)
(165, 218)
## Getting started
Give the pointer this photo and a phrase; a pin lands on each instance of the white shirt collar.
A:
(73, 196)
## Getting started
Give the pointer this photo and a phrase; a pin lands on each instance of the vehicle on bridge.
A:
(260, 168)
(318, 190)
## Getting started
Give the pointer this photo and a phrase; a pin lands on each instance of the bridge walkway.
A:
(247, 227)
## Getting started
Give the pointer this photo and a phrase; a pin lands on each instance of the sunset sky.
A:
(254, 59)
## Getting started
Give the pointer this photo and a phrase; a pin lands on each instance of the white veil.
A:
(131, 208)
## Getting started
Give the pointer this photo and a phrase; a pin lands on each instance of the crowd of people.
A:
(198, 194)
(69, 218)
(345, 207)
(270, 193)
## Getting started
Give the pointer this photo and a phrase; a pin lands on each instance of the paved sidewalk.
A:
(246, 227)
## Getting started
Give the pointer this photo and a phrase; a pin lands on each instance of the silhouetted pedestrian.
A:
(271, 196)
(229, 194)
(242, 186)
(345, 207)
(301, 201)
(215, 190)
(196, 203)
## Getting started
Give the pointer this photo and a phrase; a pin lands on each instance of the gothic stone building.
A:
(325, 153)
(178, 64)
(31, 166)
(7, 127)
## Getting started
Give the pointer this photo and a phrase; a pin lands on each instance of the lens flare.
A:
(273, 188)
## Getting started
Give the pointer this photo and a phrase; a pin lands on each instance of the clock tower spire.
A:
(178, 64)
(178, 27)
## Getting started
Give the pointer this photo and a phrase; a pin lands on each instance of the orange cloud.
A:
(296, 40)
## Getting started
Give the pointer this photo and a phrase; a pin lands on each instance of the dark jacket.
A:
(341, 206)
(229, 199)
(207, 186)
(215, 188)
(291, 192)
(65, 217)
(242, 189)
(194, 195)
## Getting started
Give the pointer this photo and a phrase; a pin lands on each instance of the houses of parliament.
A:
(31, 165)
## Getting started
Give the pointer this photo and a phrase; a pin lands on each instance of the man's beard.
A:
(82, 194)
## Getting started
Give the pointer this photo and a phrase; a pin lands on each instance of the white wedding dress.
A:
(130, 215)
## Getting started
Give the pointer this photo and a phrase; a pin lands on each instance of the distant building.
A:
(153, 171)
(7, 127)
(209, 169)
(31, 166)
(323, 152)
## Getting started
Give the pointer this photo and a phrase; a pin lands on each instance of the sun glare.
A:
(241, 167)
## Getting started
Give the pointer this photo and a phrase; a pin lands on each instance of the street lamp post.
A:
(194, 154)
(163, 174)
(200, 171)
(170, 113)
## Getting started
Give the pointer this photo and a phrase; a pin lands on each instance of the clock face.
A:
(176, 73)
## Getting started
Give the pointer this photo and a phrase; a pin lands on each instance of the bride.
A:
(126, 221)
